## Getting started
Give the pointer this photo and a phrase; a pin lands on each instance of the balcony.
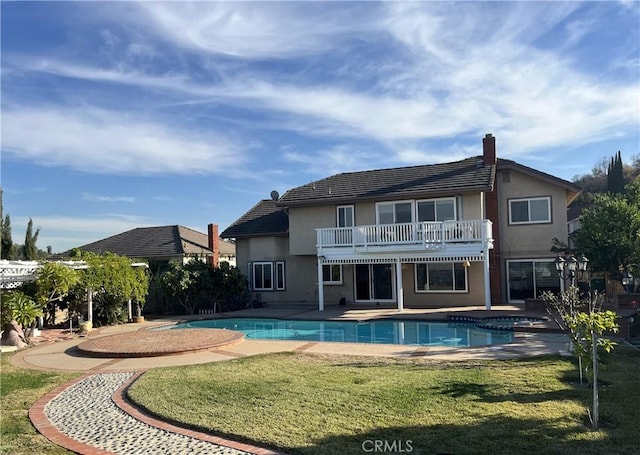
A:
(472, 236)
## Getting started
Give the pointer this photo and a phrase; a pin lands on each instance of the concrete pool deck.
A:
(64, 355)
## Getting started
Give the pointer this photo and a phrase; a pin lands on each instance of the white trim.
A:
(379, 259)
(320, 286)
(399, 288)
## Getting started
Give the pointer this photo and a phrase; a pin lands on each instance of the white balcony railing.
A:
(405, 236)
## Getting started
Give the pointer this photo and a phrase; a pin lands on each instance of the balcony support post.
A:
(320, 286)
(400, 289)
(487, 281)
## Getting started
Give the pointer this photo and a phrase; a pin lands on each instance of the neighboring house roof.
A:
(427, 180)
(155, 242)
(264, 218)
(227, 248)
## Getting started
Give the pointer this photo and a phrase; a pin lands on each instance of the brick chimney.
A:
(489, 149)
(214, 244)
(492, 212)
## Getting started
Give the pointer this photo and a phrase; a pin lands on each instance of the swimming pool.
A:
(373, 332)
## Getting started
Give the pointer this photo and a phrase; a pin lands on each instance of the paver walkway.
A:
(91, 416)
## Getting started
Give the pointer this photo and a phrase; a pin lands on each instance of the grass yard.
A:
(304, 404)
(19, 389)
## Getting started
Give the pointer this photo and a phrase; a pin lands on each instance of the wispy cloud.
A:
(272, 30)
(100, 198)
(96, 140)
(460, 69)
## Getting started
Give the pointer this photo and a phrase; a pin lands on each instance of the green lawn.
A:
(19, 389)
(304, 404)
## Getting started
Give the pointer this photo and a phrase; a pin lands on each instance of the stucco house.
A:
(472, 232)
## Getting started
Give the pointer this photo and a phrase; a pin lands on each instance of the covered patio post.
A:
(487, 281)
(320, 286)
(400, 290)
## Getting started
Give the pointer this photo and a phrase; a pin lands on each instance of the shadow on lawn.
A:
(498, 435)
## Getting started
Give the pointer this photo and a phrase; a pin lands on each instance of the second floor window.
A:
(345, 216)
(395, 212)
(437, 209)
(530, 210)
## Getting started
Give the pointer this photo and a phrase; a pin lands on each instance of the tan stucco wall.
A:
(472, 206)
(530, 240)
(303, 222)
(260, 249)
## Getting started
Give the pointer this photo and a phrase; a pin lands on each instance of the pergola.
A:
(14, 273)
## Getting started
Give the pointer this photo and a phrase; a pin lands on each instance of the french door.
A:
(374, 282)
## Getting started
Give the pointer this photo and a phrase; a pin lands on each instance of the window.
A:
(529, 211)
(345, 216)
(262, 276)
(437, 209)
(280, 276)
(529, 279)
(395, 212)
(441, 277)
(332, 274)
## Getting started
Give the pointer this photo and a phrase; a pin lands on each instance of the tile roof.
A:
(423, 181)
(155, 242)
(265, 218)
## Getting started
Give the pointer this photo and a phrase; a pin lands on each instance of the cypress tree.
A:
(30, 239)
(6, 245)
(615, 175)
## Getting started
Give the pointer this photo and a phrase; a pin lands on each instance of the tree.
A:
(188, 283)
(113, 281)
(6, 246)
(586, 323)
(615, 175)
(609, 233)
(53, 282)
(30, 252)
(24, 310)
(197, 283)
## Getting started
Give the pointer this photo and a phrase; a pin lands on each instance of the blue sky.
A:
(118, 115)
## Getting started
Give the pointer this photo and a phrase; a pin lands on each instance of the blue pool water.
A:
(377, 331)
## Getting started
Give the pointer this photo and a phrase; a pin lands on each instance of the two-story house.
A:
(470, 232)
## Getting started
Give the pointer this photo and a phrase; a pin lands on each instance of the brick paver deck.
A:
(153, 343)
